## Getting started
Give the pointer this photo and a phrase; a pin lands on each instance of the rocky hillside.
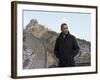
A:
(39, 40)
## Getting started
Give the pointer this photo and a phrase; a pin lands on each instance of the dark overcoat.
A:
(66, 48)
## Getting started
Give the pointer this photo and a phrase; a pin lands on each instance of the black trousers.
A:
(66, 64)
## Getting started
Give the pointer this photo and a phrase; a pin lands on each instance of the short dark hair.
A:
(63, 25)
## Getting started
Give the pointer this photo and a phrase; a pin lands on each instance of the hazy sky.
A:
(79, 24)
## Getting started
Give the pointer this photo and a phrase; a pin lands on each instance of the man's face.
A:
(64, 29)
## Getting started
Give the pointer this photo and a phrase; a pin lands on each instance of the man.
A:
(66, 47)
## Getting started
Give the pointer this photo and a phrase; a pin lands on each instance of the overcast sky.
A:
(79, 24)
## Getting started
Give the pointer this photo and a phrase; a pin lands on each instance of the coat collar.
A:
(61, 36)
